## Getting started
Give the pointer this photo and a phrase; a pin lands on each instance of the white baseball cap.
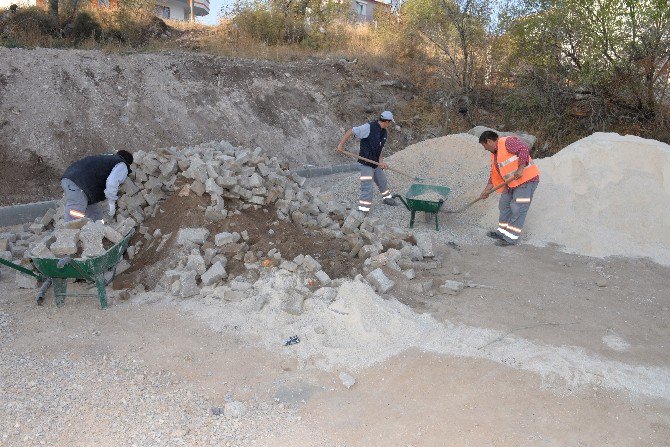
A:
(386, 115)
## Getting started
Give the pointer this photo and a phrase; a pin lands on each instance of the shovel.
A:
(351, 154)
(460, 210)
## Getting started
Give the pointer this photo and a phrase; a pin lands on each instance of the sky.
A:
(214, 9)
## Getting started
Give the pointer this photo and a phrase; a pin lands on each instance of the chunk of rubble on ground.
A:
(451, 287)
(380, 281)
(192, 236)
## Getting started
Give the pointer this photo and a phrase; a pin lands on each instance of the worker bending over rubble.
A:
(373, 137)
(510, 162)
(89, 181)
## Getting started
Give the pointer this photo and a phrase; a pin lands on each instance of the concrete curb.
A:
(328, 170)
(18, 214)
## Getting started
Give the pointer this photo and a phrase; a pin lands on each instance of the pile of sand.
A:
(351, 327)
(457, 161)
(604, 195)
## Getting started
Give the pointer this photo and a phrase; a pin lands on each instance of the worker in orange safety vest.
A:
(510, 163)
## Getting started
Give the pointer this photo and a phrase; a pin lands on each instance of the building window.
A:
(360, 8)
(163, 11)
(104, 3)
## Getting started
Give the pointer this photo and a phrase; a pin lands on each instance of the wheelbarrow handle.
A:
(351, 154)
(402, 199)
(21, 269)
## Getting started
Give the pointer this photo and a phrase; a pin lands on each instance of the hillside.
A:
(58, 105)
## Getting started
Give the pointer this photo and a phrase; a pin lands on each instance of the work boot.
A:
(390, 202)
(495, 235)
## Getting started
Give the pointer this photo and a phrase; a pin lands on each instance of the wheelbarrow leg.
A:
(101, 285)
(437, 225)
(411, 219)
(60, 290)
(43, 290)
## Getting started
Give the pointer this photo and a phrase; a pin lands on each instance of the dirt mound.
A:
(264, 231)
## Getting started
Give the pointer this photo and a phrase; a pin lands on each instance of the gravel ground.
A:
(114, 402)
(92, 388)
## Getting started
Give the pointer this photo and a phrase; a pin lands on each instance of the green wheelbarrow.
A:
(99, 270)
(426, 198)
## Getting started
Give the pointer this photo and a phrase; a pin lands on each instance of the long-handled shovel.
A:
(460, 210)
(351, 154)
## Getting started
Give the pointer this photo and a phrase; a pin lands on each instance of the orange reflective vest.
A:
(508, 164)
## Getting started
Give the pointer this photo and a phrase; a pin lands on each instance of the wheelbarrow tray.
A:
(83, 268)
(89, 269)
(427, 206)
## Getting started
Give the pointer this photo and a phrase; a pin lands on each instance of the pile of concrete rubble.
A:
(235, 179)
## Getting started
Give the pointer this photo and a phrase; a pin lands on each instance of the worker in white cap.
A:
(373, 137)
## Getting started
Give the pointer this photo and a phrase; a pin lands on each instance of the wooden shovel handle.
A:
(351, 154)
(479, 198)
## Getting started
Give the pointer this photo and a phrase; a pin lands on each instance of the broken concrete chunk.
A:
(112, 235)
(380, 281)
(66, 242)
(190, 236)
(410, 274)
(322, 277)
(212, 188)
(423, 286)
(310, 264)
(214, 274)
(452, 287)
(40, 250)
(215, 214)
(126, 225)
(122, 266)
(353, 220)
(48, 217)
(198, 188)
(289, 266)
(196, 263)
(91, 238)
(77, 224)
(189, 287)
(425, 243)
(226, 238)
(347, 379)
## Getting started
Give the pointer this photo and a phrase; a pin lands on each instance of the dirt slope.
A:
(58, 105)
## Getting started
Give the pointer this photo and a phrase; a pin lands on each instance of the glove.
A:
(112, 208)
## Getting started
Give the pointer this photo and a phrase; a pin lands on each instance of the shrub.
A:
(85, 26)
(28, 26)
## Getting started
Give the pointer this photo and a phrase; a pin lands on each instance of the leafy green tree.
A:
(457, 29)
(616, 49)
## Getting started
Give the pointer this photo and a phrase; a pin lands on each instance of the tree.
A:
(618, 49)
(457, 29)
